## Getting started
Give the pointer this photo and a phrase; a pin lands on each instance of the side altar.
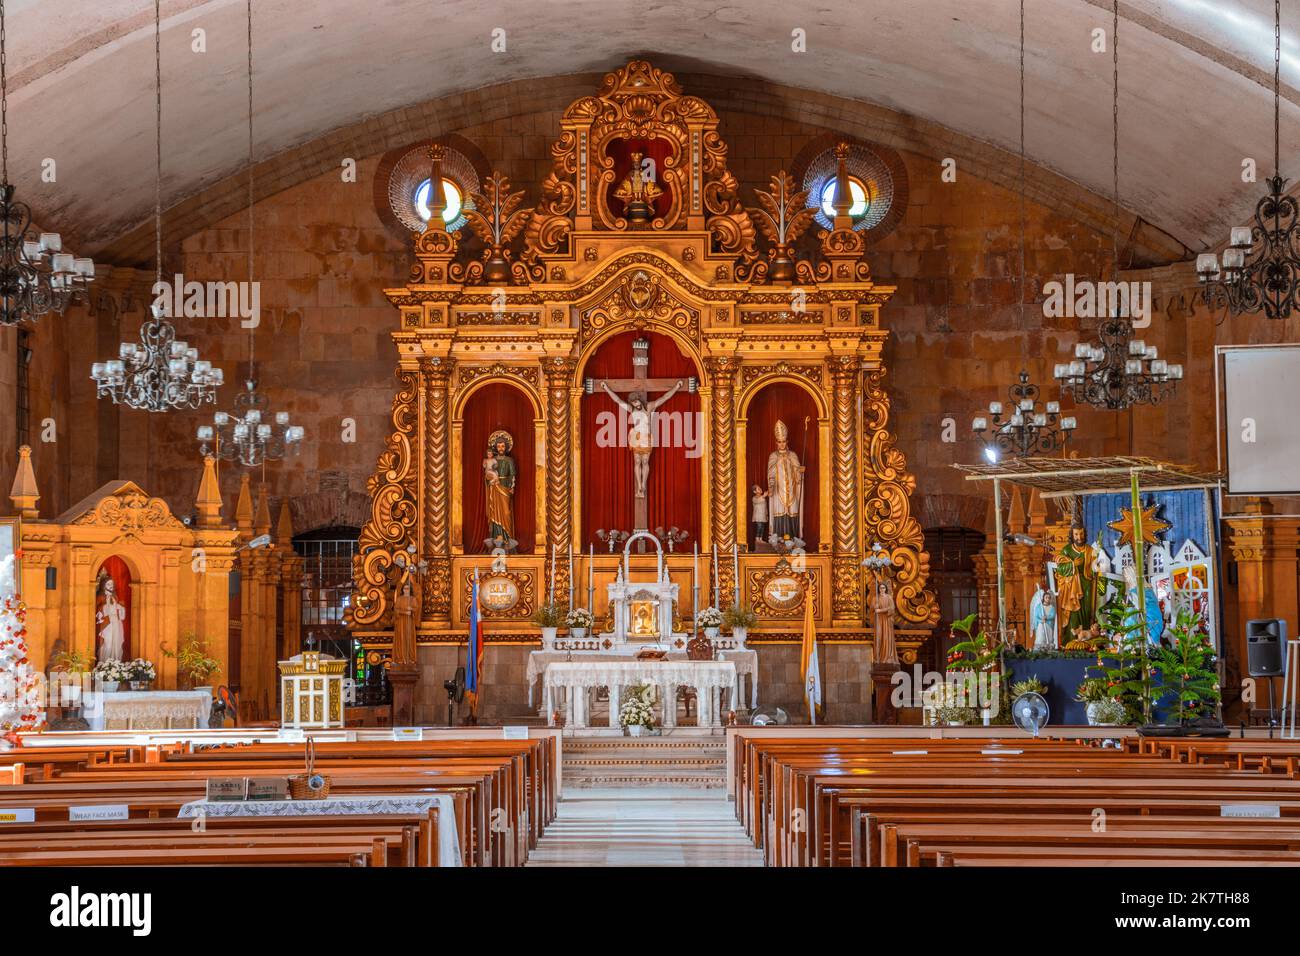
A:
(650, 352)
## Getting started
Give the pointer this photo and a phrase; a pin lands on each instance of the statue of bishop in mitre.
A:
(785, 488)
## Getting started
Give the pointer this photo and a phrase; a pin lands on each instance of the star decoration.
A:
(1151, 525)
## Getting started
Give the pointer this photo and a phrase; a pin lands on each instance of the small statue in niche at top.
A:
(638, 190)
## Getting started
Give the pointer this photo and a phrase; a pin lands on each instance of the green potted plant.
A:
(740, 619)
(72, 665)
(1097, 696)
(1186, 669)
(636, 714)
(549, 618)
(193, 663)
(1030, 685)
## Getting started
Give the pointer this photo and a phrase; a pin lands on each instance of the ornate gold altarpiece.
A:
(556, 280)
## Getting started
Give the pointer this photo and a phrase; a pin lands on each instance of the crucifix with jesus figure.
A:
(640, 411)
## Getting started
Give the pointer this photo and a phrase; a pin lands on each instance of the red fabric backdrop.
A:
(675, 486)
(121, 575)
(658, 150)
(497, 405)
(790, 404)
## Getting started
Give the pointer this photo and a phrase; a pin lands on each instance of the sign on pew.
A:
(1262, 811)
(102, 811)
(18, 815)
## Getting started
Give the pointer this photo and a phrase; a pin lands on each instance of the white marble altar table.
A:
(147, 709)
(746, 662)
(347, 805)
(573, 679)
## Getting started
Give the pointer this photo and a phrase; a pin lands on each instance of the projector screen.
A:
(1261, 401)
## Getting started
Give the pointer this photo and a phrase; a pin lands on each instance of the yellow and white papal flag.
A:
(812, 681)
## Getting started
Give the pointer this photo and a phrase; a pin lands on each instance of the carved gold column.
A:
(559, 470)
(887, 508)
(435, 374)
(845, 563)
(722, 377)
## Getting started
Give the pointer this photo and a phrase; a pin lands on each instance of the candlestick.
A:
(695, 582)
(552, 598)
(715, 575)
(591, 580)
(735, 571)
(570, 577)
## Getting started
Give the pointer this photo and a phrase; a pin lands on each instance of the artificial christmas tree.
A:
(20, 684)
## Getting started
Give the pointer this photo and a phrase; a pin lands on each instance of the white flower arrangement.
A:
(709, 617)
(636, 709)
(111, 672)
(141, 669)
(579, 617)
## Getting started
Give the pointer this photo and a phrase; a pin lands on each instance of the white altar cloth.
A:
(574, 678)
(746, 662)
(348, 805)
(147, 709)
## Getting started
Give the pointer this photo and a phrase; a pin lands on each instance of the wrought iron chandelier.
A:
(1026, 430)
(36, 276)
(1120, 371)
(160, 372)
(1261, 268)
(247, 434)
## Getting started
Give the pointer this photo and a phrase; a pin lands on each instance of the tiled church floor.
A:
(645, 826)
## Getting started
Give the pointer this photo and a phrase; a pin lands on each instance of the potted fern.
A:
(740, 619)
(548, 617)
(73, 665)
(193, 662)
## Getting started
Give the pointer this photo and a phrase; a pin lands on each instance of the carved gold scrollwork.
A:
(393, 509)
(640, 296)
(887, 508)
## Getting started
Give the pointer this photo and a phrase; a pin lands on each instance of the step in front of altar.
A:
(697, 762)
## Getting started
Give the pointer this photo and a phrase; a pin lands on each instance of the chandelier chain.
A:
(1024, 278)
(157, 197)
(1277, 87)
(4, 100)
(1114, 50)
(252, 339)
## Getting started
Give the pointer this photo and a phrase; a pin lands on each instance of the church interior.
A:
(684, 434)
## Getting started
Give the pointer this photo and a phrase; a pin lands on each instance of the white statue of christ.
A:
(640, 437)
(111, 615)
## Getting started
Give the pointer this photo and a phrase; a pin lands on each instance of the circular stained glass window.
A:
(857, 192)
(450, 198)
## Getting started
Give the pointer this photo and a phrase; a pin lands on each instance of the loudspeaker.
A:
(51, 578)
(1265, 640)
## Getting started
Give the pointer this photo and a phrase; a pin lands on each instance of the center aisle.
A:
(645, 826)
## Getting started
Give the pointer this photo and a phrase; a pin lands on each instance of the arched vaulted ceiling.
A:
(1195, 80)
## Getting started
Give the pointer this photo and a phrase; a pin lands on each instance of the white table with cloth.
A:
(411, 805)
(147, 709)
(746, 662)
(573, 680)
